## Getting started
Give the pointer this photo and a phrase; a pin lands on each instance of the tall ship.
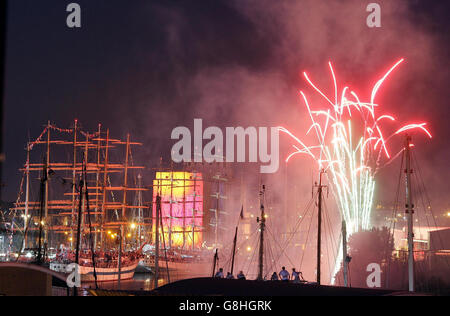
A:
(189, 217)
(83, 199)
(80, 200)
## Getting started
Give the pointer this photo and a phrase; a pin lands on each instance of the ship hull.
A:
(107, 274)
(103, 274)
(192, 268)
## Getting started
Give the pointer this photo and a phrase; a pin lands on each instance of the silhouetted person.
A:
(219, 274)
(241, 276)
(284, 275)
(274, 277)
(295, 276)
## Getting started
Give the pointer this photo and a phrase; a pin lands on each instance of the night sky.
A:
(145, 67)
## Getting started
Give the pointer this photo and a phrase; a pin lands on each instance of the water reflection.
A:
(141, 281)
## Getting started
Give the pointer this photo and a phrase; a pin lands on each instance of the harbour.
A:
(217, 149)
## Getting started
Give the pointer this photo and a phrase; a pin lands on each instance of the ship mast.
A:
(262, 222)
(235, 240)
(193, 208)
(27, 198)
(158, 214)
(79, 221)
(58, 215)
(216, 227)
(216, 257)
(74, 174)
(125, 187)
(319, 224)
(409, 213)
(234, 250)
(41, 211)
(345, 253)
(140, 212)
(46, 221)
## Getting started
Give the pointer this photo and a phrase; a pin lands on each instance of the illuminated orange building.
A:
(181, 208)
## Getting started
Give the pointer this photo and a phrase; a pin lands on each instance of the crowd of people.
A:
(283, 275)
(103, 259)
(220, 275)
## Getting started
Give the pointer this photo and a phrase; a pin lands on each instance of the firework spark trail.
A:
(351, 166)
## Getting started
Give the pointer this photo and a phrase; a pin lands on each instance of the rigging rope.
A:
(390, 239)
(306, 242)
(425, 195)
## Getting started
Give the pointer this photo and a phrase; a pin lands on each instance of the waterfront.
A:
(134, 142)
(140, 282)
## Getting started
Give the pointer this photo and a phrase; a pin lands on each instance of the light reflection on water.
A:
(142, 281)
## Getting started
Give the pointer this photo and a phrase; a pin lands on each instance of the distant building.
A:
(181, 207)
(439, 254)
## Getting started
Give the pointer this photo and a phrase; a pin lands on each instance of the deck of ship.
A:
(247, 288)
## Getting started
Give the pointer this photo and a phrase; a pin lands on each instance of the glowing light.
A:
(181, 207)
(133, 226)
(350, 147)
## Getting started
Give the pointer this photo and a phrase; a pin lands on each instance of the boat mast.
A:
(66, 209)
(262, 222)
(409, 213)
(74, 165)
(158, 210)
(91, 234)
(216, 227)
(105, 178)
(193, 209)
(344, 253)
(125, 187)
(216, 257)
(319, 225)
(46, 221)
(97, 185)
(80, 215)
(41, 210)
(119, 259)
(84, 177)
(234, 250)
(140, 213)
(170, 207)
(27, 198)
